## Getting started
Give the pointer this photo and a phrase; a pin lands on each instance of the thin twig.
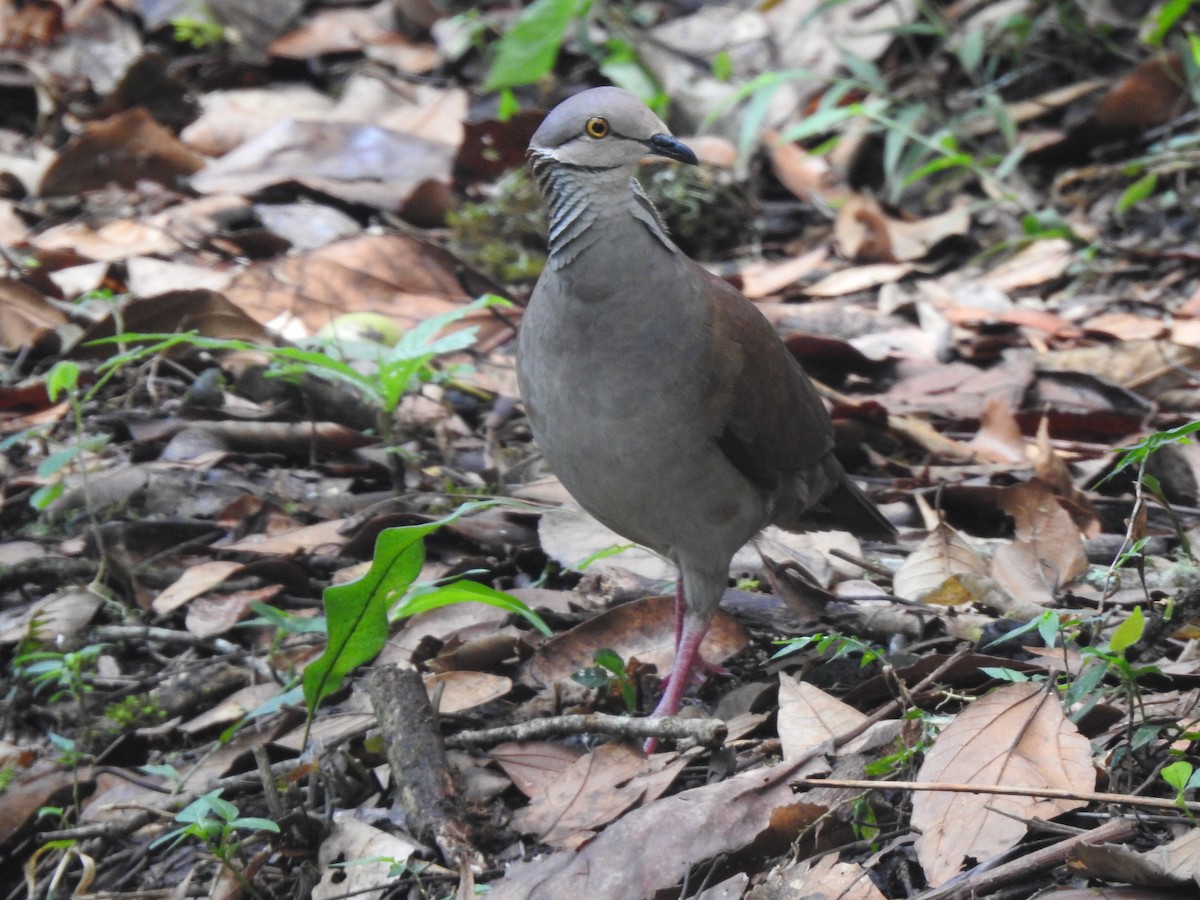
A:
(1007, 790)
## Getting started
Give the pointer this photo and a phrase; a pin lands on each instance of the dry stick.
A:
(707, 732)
(894, 705)
(982, 883)
(1052, 793)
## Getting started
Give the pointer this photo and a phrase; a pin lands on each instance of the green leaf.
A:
(970, 51)
(253, 823)
(1177, 775)
(509, 106)
(44, 496)
(62, 378)
(609, 659)
(821, 121)
(1003, 674)
(1171, 13)
(1048, 626)
(1136, 192)
(529, 49)
(469, 592)
(1128, 632)
(940, 164)
(722, 66)
(592, 677)
(357, 611)
(604, 553)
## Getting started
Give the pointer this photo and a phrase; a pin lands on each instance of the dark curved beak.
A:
(672, 148)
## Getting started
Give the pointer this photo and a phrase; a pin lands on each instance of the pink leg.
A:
(680, 609)
(702, 668)
(687, 653)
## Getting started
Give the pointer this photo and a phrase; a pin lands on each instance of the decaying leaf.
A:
(943, 554)
(1015, 736)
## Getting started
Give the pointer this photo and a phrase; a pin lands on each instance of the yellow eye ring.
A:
(596, 127)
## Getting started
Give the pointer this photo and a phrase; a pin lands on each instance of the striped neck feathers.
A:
(580, 197)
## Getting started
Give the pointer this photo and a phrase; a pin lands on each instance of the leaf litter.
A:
(1015, 299)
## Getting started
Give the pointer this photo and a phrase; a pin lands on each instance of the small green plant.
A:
(134, 711)
(390, 373)
(219, 826)
(894, 764)
(1182, 776)
(529, 49)
(863, 820)
(840, 644)
(609, 674)
(69, 674)
(359, 613)
(1139, 456)
(198, 32)
(63, 379)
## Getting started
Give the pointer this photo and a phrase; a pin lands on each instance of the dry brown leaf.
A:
(654, 846)
(764, 279)
(1051, 469)
(26, 315)
(1015, 736)
(808, 717)
(230, 118)
(113, 240)
(194, 581)
(643, 629)
(401, 277)
(356, 162)
(999, 438)
(345, 30)
(865, 233)
(207, 313)
(1040, 262)
(860, 278)
(944, 553)
(125, 149)
(232, 708)
(593, 791)
(461, 691)
(373, 850)
(1048, 550)
(569, 536)
(56, 617)
(326, 536)
(210, 616)
(1127, 326)
(826, 879)
(534, 766)
(1147, 367)
(29, 791)
(1172, 865)
(810, 178)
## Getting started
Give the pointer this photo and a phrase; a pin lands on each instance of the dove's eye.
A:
(596, 127)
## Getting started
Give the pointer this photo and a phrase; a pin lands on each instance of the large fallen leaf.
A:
(865, 233)
(943, 554)
(371, 852)
(593, 791)
(1015, 736)
(1175, 864)
(808, 717)
(398, 276)
(654, 846)
(642, 629)
(826, 879)
(358, 163)
(1048, 550)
